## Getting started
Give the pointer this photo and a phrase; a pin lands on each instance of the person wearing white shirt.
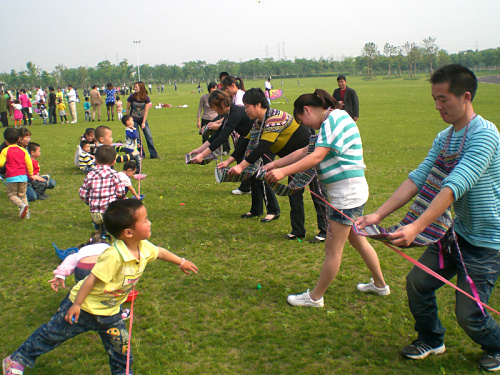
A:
(72, 103)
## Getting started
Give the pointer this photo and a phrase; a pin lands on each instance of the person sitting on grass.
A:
(131, 136)
(86, 160)
(104, 136)
(17, 163)
(339, 145)
(101, 186)
(129, 169)
(94, 303)
(39, 183)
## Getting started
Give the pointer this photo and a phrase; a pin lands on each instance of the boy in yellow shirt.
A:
(94, 303)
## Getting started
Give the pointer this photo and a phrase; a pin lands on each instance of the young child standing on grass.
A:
(17, 163)
(62, 112)
(131, 136)
(338, 156)
(18, 114)
(86, 107)
(94, 303)
(101, 186)
(119, 107)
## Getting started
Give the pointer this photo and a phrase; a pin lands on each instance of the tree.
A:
(390, 51)
(431, 50)
(371, 52)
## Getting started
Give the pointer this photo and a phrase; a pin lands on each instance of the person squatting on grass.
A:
(338, 157)
(94, 303)
(104, 136)
(18, 168)
(473, 188)
(39, 183)
(101, 186)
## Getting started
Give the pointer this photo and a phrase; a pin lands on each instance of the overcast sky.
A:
(83, 33)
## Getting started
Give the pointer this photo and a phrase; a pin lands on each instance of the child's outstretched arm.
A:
(185, 265)
(74, 310)
(134, 193)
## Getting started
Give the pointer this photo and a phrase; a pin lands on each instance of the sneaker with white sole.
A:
(125, 314)
(304, 299)
(11, 367)
(371, 288)
(23, 210)
(239, 192)
(490, 361)
(419, 350)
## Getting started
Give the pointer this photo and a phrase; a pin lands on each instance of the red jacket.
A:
(17, 161)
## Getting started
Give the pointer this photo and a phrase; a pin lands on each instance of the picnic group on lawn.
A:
(319, 145)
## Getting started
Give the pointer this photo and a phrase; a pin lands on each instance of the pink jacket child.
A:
(80, 263)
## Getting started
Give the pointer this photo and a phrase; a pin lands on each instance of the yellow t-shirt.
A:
(61, 107)
(118, 271)
(59, 95)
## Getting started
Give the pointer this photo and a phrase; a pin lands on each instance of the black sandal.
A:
(248, 215)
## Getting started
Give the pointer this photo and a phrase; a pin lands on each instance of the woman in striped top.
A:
(338, 157)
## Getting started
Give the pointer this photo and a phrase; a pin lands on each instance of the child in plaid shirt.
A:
(102, 185)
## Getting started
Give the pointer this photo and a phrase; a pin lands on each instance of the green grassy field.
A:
(218, 322)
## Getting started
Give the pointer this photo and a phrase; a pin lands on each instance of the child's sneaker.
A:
(11, 367)
(371, 288)
(23, 210)
(420, 350)
(304, 299)
(125, 314)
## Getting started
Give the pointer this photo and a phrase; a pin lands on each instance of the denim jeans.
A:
(114, 337)
(149, 140)
(483, 266)
(52, 115)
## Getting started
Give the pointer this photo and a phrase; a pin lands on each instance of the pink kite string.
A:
(423, 267)
(127, 369)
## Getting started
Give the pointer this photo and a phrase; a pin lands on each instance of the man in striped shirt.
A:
(473, 187)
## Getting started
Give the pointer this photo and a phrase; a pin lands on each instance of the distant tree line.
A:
(393, 61)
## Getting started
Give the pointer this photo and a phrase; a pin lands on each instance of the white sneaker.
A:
(371, 288)
(23, 210)
(73, 122)
(304, 299)
(239, 192)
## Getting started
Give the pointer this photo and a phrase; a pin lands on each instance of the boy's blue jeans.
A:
(483, 266)
(49, 336)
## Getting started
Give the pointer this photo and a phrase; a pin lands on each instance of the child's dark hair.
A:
(125, 119)
(255, 96)
(229, 80)
(100, 131)
(32, 147)
(17, 101)
(84, 143)
(129, 165)
(121, 215)
(319, 98)
(11, 135)
(105, 155)
(60, 100)
(117, 97)
(95, 238)
(86, 98)
(89, 131)
(222, 75)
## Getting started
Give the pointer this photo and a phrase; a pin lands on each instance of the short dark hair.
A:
(125, 119)
(32, 147)
(84, 143)
(120, 215)
(255, 96)
(105, 155)
(460, 78)
(223, 74)
(211, 85)
(51, 88)
(341, 78)
(86, 98)
(129, 165)
(100, 131)
(11, 135)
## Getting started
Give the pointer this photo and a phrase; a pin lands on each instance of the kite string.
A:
(420, 265)
(127, 369)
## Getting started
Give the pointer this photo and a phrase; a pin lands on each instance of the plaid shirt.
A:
(101, 187)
